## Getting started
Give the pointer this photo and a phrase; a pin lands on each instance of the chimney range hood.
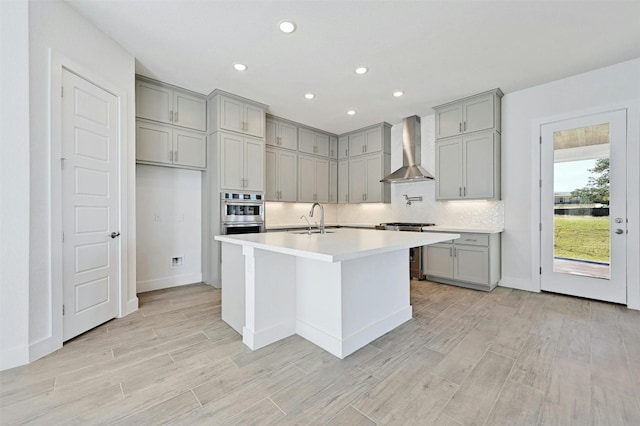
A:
(411, 170)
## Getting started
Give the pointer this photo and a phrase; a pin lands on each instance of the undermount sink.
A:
(315, 231)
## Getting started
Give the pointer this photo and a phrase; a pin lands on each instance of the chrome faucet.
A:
(321, 227)
(308, 224)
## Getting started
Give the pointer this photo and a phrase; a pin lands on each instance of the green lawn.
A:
(582, 237)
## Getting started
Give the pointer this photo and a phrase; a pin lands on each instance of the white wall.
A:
(522, 111)
(168, 225)
(14, 184)
(54, 30)
(455, 213)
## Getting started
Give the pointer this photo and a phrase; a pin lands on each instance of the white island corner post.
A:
(340, 290)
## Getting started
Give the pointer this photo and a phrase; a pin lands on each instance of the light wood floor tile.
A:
(475, 398)
(465, 358)
(517, 404)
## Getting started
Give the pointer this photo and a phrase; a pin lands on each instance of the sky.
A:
(572, 175)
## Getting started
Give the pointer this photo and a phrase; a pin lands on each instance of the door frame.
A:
(632, 108)
(58, 62)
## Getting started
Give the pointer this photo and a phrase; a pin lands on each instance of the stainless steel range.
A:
(416, 268)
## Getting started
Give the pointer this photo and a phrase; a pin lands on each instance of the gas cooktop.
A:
(405, 226)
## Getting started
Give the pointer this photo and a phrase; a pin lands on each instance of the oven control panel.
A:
(241, 196)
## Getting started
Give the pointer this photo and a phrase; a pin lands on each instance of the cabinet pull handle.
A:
(346, 152)
(454, 252)
(464, 127)
(464, 191)
(470, 239)
(450, 251)
(175, 156)
(170, 115)
(460, 127)
(171, 156)
(459, 191)
(176, 114)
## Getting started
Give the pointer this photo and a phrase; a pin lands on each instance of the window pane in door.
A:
(581, 201)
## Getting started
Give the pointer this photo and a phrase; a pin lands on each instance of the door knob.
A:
(619, 231)
(115, 234)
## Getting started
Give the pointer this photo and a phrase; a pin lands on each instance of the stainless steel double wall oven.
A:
(241, 213)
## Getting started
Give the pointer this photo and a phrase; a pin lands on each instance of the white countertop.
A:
(454, 228)
(338, 245)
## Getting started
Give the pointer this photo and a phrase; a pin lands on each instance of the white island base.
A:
(341, 302)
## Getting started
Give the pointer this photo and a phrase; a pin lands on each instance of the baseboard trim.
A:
(43, 347)
(160, 283)
(267, 336)
(14, 357)
(518, 284)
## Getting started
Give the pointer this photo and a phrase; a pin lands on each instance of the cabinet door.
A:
(271, 175)
(471, 264)
(231, 114)
(322, 145)
(189, 111)
(479, 114)
(479, 165)
(271, 134)
(449, 170)
(288, 175)
(254, 120)
(231, 162)
(288, 135)
(373, 140)
(321, 180)
(374, 174)
(357, 180)
(189, 149)
(343, 182)
(333, 181)
(449, 121)
(440, 260)
(154, 102)
(343, 147)
(356, 144)
(254, 165)
(333, 148)
(306, 141)
(306, 178)
(153, 143)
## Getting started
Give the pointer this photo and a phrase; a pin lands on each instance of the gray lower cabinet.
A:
(471, 261)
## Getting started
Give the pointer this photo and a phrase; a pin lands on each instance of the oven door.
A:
(238, 211)
(235, 228)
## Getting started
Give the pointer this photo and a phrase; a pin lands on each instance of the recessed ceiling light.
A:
(240, 67)
(361, 70)
(398, 93)
(351, 112)
(309, 95)
(287, 27)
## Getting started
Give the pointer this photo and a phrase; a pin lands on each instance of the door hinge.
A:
(541, 270)
(540, 183)
(540, 227)
(62, 91)
(63, 237)
(62, 160)
(62, 309)
(540, 139)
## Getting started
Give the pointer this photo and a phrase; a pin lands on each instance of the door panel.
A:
(479, 158)
(583, 206)
(255, 118)
(306, 178)
(271, 183)
(232, 165)
(449, 121)
(449, 170)
(190, 111)
(153, 142)
(440, 260)
(153, 102)
(254, 165)
(478, 114)
(89, 204)
(357, 180)
(190, 149)
(322, 180)
(471, 264)
(232, 114)
(288, 176)
(288, 136)
(374, 174)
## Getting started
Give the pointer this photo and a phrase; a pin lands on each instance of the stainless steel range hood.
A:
(411, 170)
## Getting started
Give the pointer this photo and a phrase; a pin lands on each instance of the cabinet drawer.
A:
(473, 239)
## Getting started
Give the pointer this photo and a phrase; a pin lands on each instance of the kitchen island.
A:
(339, 290)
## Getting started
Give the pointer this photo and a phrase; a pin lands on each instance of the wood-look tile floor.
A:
(466, 358)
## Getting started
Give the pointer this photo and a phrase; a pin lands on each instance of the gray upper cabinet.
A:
(235, 114)
(370, 140)
(473, 114)
(311, 142)
(333, 147)
(158, 144)
(166, 104)
(343, 147)
(281, 134)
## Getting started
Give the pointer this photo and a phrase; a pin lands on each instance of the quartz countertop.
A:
(338, 244)
(454, 228)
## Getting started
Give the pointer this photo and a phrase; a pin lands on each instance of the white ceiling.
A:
(435, 51)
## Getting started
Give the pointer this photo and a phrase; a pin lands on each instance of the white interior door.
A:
(89, 205)
(583, 206)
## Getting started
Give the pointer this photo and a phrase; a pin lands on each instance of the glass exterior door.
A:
(583, 206)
